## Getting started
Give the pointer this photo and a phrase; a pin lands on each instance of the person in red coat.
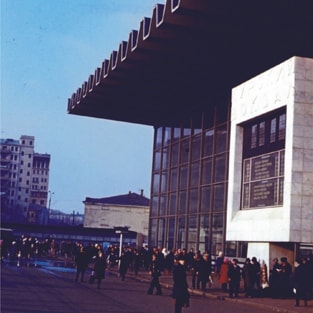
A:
(223, 279)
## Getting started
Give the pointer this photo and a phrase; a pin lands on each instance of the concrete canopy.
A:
(189, 53)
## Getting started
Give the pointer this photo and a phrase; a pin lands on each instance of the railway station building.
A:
(228, 88)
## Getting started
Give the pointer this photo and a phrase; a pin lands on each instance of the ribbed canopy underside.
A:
(189, 53)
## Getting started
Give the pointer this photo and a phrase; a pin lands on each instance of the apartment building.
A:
(24, 176)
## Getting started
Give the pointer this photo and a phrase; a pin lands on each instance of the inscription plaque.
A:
(263, 180)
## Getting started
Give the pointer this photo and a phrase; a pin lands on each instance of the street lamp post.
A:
(120, 230)
(49, 205)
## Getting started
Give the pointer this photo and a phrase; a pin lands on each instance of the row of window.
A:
(265, 134)
(43, 187)
(189, 149)
(12, 148)
(36, 180)
(36, 187)
(26, 199)
(14, 175)
(41, 202)
(41, 172)
(15, 166)
(24, 142)
(198, 200)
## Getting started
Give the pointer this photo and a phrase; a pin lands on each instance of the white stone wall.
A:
(110, 216)
(301, 206)
(289, 84)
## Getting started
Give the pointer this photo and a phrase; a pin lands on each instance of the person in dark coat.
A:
(274, 278)
(257, 273)
(302, 282)
(248, 276)
(169, 262)
(234, 275)
(100, 267)
(180, 285)
(155, 272)
(137, 261)
(285, 272)
(81, 262)
(194, 269)
(205, 271)
(123, 265)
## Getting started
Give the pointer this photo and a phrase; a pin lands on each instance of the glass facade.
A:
(189, 184)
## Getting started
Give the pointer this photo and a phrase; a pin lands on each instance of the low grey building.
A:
(130, 210)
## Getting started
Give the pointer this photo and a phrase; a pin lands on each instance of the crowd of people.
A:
(282, 280)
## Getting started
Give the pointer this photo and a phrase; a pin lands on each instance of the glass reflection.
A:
(207, 171)
(156, 183)
(205, 199)
(195, 174)
(192, 231)
(218, 204)
(181, 232)
(172, 204)
(193, 201)
(182, 207)
(154, 206)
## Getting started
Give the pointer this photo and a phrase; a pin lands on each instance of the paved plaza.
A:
(24, 289)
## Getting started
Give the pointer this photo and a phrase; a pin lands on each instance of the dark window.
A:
(265, 134)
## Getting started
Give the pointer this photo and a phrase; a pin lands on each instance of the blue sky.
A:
(48, 49)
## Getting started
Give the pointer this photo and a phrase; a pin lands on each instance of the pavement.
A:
(215, 292)
(276, 305)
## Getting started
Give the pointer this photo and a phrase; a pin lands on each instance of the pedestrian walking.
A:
(180, 285)
(155, 272)
(81, 262)
(100, 267)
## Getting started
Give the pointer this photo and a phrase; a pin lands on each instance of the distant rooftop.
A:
(130, 199)
(9, 141)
